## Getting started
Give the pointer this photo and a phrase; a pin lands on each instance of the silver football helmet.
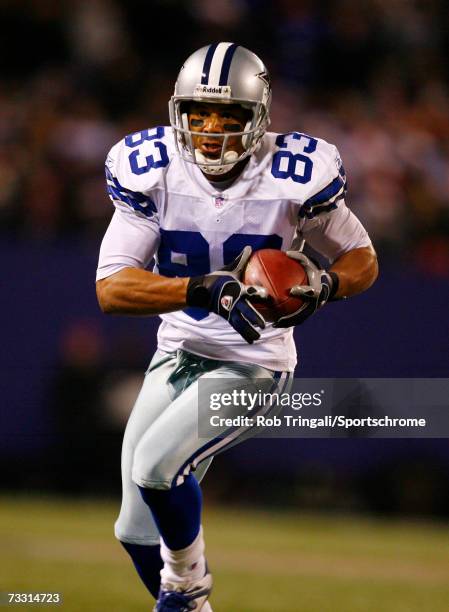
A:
(223, 73)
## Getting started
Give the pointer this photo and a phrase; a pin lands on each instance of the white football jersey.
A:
(167, 211)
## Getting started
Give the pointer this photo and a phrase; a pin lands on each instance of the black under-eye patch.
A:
(196, 122)
(232, 127)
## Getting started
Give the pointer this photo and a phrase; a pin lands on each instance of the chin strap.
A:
(230, 158)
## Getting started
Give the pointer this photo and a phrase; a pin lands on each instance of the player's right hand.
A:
(223, 293)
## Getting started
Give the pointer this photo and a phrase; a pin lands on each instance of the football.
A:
(277, 272)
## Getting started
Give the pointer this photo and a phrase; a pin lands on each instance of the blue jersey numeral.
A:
(235, 244)
(135, 140)
(184, 253)
(290, 166)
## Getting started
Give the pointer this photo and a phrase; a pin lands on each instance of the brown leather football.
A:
(277, 272)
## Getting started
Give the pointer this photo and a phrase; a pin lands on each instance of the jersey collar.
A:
(243, 183)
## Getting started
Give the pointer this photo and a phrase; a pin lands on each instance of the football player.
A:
(197, 197)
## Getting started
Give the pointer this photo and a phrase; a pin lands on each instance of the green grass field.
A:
(262, 562)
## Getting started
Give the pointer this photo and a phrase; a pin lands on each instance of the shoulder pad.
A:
(307, 170)
(136, 166)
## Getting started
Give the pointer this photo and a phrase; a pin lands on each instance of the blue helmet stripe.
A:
(224, 74)
(207, 63)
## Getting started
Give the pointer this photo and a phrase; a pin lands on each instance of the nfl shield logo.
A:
(219, 202)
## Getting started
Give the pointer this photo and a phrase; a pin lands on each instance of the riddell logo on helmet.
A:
(213, 90)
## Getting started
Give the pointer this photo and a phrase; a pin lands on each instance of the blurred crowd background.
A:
(371, 77)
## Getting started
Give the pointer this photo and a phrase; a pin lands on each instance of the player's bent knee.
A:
(151, 473)
(135, 524)
(130, 533)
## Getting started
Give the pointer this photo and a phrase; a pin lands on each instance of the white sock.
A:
(184, 565)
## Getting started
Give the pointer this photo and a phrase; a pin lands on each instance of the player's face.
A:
(217, 119)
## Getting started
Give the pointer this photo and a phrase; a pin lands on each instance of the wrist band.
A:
(197, 293)
(334, 286)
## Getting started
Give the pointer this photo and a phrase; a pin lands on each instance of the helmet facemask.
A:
(251, 135)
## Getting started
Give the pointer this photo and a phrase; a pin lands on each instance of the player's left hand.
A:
(321, 288)
(223, 293)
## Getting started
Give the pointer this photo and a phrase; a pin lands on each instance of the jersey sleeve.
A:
(129, 242)
(325, 221)
(335, 232)
(329, 186)
(126, 191)
(308, 171)
(132, 237)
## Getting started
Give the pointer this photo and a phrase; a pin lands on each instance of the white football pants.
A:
(161, 443)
